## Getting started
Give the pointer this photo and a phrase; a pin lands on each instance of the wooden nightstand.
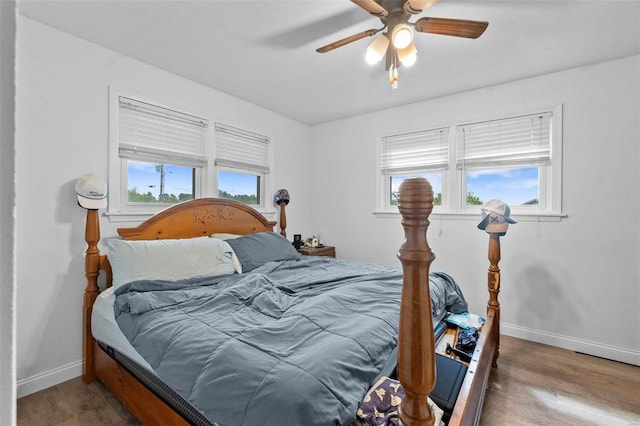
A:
(318, 251)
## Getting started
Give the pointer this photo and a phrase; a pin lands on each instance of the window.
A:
(242, 164)
(505, 159)
(160, 156)
(160, 183)
(423, 153)
(161, 152)
(515, 159)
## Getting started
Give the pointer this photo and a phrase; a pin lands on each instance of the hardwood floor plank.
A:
(72, 403)
(116, 405)
(534, 384)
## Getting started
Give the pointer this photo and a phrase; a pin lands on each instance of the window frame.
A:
(437, 165)
(259, 168)
(262, 177)
(454, 183)
(142, 208)
(119, 209)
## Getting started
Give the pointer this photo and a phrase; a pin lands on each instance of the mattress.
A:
(106, 331)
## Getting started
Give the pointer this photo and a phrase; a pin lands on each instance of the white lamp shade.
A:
(408, 55)
(402, 36)
(377, 49)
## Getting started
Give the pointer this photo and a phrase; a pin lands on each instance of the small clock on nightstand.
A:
(329, 251)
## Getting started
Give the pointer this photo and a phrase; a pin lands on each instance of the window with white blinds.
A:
(516, 141)
(421, 151)
(160, 155)
(517, 159)
(240, 149)
(154, 134)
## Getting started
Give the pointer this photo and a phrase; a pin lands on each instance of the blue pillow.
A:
(255, 250)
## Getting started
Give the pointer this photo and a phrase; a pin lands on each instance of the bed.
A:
(275, 295)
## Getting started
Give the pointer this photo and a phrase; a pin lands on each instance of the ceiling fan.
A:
(396, 44)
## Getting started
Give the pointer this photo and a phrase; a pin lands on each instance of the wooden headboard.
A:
(200, 218)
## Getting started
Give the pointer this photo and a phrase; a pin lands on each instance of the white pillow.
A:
(236, 261)
(168, 259)
(223, 236)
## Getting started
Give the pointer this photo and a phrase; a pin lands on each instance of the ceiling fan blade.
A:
(451, 27)
(372, 7)
(347, 40)
(416, 6)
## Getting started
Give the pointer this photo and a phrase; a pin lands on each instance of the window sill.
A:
(523, 217)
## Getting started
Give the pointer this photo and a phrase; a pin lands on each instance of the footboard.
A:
(471, 397)
(416, 348)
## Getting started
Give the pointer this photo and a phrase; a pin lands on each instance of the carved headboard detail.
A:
(200, 218)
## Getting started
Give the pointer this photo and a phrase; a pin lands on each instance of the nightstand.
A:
(318, 251)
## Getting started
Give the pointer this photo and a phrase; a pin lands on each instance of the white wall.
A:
(61, 134)
(572, 283)
(7, 213)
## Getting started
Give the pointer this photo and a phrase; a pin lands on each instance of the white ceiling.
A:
(263, 51)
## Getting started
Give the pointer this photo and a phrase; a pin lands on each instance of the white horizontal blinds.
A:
(524, 140)
(422, 151)
(241, 149)
(160, 135)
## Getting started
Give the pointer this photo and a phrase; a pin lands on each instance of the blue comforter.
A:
(290, 343)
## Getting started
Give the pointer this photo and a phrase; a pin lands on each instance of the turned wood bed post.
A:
(416, 356)
(493, 284)
(283, 220)
(282, 199)
(92, 269)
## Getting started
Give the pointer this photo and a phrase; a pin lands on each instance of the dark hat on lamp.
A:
(496, 217)
(91, 191)
(282, 197)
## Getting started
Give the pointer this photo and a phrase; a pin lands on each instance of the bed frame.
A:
(416, 356)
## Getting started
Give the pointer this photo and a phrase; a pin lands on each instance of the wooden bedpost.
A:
(493, 284)
(92, 269)
(416, 356)
(283, 220)
(282, 199)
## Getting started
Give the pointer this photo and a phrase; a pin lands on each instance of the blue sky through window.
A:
(146, 177)
(238, 183)
(515, 186)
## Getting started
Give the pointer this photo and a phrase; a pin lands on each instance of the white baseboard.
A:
(48, 378)
(614, 353)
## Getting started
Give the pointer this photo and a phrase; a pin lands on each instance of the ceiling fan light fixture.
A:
(408, 55)
(393, 76)
(402, 36)
(377, 49)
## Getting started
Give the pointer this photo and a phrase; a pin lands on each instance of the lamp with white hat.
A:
(91, 191)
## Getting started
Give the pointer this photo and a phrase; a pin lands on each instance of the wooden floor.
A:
(534, 384)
